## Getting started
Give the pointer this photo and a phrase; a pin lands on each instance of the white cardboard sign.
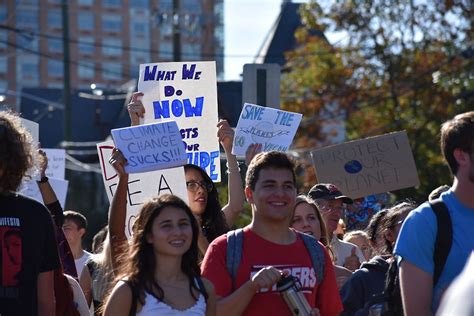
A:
(187, 93)
(369, 166)
(150, 147)
(141, 186)
(274, 129)
(56, 163)
(60, 186)
(32, 127)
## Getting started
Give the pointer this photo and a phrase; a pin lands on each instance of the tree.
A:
(401, 66)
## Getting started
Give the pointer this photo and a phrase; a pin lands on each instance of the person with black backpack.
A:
(367, 287)
(442, 233)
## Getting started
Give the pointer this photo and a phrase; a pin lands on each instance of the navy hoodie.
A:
(362, 285)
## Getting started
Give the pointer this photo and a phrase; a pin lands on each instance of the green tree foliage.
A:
(401, 65)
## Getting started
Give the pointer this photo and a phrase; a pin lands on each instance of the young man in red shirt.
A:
(269, 249)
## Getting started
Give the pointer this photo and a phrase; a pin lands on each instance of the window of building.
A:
(27, 2)
(86, 70)
(55, 45)
(27, 67)
(191, 6)
(55, 68)
(166, 50)
(111, 23)
(140, 28)
(27, 18)
(140, 4)
(191, 51)
(85, 2)
(165, 5)
(112, 3)
(3, 86)
(111, 47)
(55, 1)
(85, 21)
(137, 58)
(112, 71)
(166, 29)
(3, 39)
(27, 40)
(55, 19)
(3, 64)
(3, 13)
(86, 45)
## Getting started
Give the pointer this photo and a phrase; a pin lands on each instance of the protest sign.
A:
(368, 166)
(60, 186)
(56, 163)
(141, 186)
(32, 127)
(187, 93)
(274, 129)
(151, 146)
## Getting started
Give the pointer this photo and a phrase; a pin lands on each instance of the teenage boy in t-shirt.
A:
(27, 242)
(270, 248)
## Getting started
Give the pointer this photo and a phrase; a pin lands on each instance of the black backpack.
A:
(389, 302)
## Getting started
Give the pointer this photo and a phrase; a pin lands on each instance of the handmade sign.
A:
(141, 186)
(60, 186)
(368, 166)
(32, 127)
(151, 146)
(56, 163)
(274, 129)
(187, 93)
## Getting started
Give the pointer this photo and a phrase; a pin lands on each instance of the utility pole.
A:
(67, 73)
(176, 32)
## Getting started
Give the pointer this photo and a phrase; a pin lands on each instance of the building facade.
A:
(108, 39)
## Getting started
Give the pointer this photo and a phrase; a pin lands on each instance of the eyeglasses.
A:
(193, 186)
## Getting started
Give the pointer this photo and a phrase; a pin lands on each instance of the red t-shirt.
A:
(258, 253)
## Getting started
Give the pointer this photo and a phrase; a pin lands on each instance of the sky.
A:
(246, 24)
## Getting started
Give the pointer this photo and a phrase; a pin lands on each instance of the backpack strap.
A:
(235, 240)
(444, 237)
(202, 288)
(316, 253)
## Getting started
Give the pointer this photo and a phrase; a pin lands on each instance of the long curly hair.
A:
(17, 152)
(139, 268)
(213, 221)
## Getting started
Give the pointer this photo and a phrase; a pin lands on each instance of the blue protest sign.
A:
(151, 146)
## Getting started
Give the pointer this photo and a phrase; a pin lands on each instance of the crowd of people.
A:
(191, 259)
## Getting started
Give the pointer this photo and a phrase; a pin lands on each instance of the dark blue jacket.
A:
(362, 285)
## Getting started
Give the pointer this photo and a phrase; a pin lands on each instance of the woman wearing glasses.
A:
(203, 197)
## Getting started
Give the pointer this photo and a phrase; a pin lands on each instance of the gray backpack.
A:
(235, 239)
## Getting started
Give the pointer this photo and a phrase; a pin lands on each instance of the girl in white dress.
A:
(160, 275)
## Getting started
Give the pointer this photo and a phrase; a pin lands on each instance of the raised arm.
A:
(47, 192)
(135, 108)
(118, 208)
(236, 196)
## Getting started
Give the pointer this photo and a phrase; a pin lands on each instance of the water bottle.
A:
(290, 288)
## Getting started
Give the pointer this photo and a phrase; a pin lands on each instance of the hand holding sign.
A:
(225, 133)
(118, 161)
(135, 108)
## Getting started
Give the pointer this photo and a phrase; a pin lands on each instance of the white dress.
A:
(154, 307)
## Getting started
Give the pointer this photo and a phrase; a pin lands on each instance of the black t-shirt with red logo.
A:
(27, 248)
